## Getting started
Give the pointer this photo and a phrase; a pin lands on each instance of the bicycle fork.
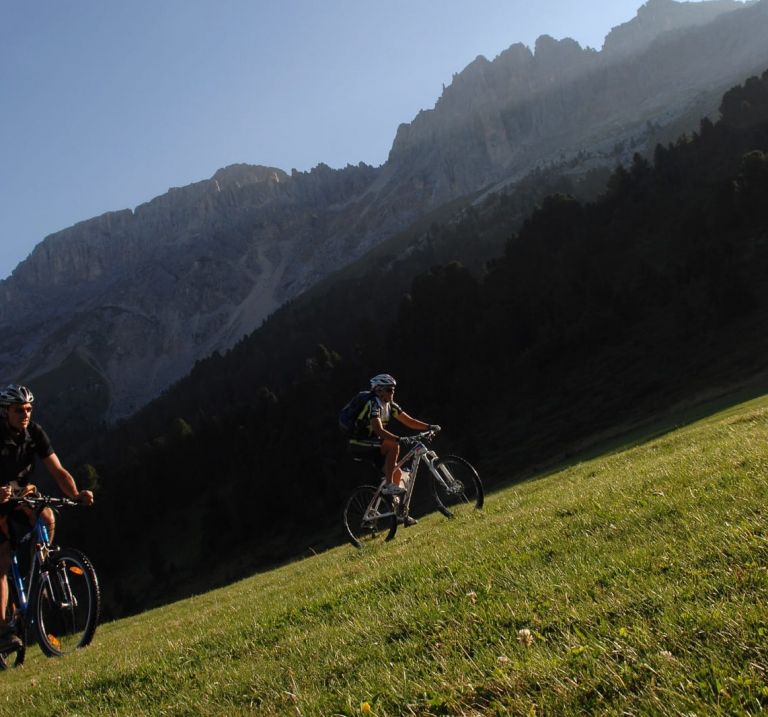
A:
(443, 475)
(56, 582)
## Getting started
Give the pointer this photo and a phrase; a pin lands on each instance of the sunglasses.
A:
(388, 389)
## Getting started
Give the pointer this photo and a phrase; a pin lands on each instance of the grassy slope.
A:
(641, 576)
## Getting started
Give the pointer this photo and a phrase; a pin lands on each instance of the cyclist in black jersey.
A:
(21, 442)
(371, 428)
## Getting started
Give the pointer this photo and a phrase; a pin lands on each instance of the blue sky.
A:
(106, 104)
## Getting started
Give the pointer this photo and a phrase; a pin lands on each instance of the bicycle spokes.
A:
(451, 485)
(368, 516)
(67, 604)
(456, 486)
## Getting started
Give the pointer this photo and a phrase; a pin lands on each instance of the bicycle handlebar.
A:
(423, 437)
(44, 501)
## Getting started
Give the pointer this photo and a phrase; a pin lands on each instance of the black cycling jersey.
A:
(18, 451)
(374, 408)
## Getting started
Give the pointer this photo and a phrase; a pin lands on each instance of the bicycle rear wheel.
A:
(459, 488)
(13, 656)
(10, 655)
(369, 517)
(66, 604)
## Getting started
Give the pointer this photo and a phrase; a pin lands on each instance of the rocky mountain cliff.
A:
(657, 17)
(125, 303)
(498, 119)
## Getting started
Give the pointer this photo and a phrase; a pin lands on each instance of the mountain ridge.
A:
(207, 263)
(657, 17)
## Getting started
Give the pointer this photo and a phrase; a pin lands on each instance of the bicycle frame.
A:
(42, 549)
(418, 454)
(371, 510)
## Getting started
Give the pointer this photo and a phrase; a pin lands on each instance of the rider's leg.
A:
(8, 638)
(391, 450)
(46, 515)
(5, 564)
(48, 518)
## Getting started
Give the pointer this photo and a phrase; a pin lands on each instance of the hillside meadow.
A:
(632, 583)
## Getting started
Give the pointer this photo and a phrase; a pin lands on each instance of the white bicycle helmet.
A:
(382, 379)
(15, 394)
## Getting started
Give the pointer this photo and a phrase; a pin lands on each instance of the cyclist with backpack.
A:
(366, 417)
(21, 442)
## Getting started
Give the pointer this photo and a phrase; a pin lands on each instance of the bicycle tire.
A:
(63, 625)
(463, 487)
(6, 661)
(14, 656)
(363, 529)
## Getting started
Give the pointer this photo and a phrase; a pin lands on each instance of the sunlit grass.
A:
(635, 583)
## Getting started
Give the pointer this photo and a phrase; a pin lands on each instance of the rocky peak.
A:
(548, 50)
(515, 60)
(478, 93)
(81, 259)
(560, 60)
(239, 175)
(516, 65)
(657, 17)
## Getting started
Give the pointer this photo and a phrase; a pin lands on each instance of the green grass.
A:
(634, 583)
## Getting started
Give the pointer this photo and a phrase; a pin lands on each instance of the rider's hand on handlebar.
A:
(434, 428)
(85, 497)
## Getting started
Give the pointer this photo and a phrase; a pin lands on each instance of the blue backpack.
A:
(350, 414)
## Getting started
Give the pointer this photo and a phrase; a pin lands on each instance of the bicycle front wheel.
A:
(458, 488)
(369, 516)
(65, 603)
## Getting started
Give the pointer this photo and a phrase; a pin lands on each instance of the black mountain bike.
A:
(370, 515)
(54, 598)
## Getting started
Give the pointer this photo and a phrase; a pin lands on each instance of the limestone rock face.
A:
(657, 17)
(134, 298)
(501, 117)
(141, 295)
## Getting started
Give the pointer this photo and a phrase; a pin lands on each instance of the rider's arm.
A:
(65, 481)
(411, 422)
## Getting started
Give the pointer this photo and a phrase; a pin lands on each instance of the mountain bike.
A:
(55, 599)
(370, 515)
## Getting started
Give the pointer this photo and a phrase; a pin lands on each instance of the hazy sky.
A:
(105, 104)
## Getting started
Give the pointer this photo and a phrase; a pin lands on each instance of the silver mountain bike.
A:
(369, 515)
